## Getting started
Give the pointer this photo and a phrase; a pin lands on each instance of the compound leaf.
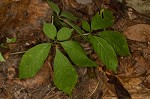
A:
(86, 26)
(77, 54)
(103, 20)
(54, 7)
(1, 58)
(117, 41)
(65, 76)
(33, 59)
(64, 34)
(68, 15)
(50, 30)
(105, 52)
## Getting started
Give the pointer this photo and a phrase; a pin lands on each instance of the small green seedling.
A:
(1, 58)
(10, 40)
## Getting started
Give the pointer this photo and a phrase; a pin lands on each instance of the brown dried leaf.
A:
(2, 79)
(139, 32)
(22, 18)
(120, 90)
(11, 72)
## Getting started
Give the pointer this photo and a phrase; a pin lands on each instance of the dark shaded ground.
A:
(23, 19)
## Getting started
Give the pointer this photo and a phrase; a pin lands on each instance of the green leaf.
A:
(65, 76)
(117, 41)
(50, 30)
(1, 58)
(33, 59)
(103, 20)
(105, 52)
(77, 54)
(10, 40)
(64, 34)
(68, 15)
(86, 26)
(107, 15)
(54, 7)
(95, 23)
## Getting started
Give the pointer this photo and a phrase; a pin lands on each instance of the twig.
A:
(17, 53)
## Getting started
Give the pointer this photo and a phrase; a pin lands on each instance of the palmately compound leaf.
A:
(1, 58)
(103, 20)
(64, 34)
(77, 54)
(65, 75)
(68, 15)
(105, 52)
(33, 59)
(54, 7)
(50, 30)
(86, 26)
(117, 41)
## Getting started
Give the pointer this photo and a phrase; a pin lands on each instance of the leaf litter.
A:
(23, 21)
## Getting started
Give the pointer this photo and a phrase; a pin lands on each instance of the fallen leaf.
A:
(138, 32)
(120, 90)
(11, 72)
(2, 79)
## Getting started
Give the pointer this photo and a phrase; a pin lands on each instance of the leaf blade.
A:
(77, 54)
(105, 52)
(33, 59)
(103, 20)
(117, 40)
(54, 7)
(95, 22)
(65, 76)
(50, 30)
(86, 26)
(68, 15)
(64, 34)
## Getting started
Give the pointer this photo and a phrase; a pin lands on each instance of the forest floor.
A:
(23, 19)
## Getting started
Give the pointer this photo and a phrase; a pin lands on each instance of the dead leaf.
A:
(139, 32)
(11, 72)
(22, 19)
(120, 90)
(2, 79)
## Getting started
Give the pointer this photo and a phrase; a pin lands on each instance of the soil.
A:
(23, 19)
